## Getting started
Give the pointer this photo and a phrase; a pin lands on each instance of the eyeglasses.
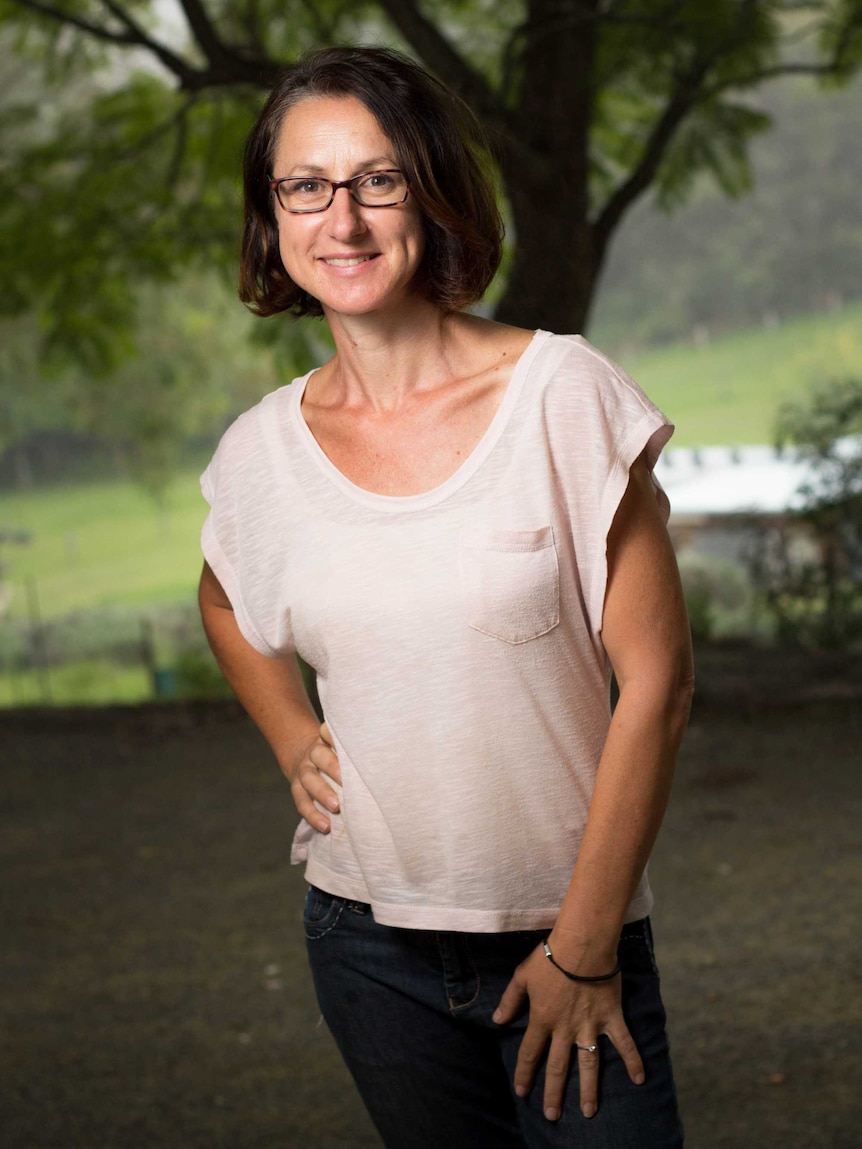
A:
(298, 194)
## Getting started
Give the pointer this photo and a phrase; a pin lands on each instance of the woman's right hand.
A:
(317, 764)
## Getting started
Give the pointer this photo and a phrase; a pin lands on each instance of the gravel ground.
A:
(154, 990)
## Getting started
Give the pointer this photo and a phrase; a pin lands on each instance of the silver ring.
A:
(587, 1048)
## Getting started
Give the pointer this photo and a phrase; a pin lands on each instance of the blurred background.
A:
(710, 167)
(681, 181)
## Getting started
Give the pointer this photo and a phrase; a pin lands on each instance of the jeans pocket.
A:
(510, 582)
(321, 912)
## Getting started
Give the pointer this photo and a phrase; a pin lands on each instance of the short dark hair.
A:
(439, 146)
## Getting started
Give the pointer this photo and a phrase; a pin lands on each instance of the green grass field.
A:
(106, 544)
(730, 390)
(92, 681)
(99, 545)
(103, 544)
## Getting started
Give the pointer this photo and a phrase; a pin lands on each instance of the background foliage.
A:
(681, 156)
(131, 175)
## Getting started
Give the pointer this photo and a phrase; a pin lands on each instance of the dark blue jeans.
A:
(411, 1012)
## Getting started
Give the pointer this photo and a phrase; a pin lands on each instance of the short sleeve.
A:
(614, 424)
(243, 537)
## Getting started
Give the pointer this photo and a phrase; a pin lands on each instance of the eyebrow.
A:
(366, 166)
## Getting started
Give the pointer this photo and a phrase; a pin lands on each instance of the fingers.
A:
(588, 1064)
(588, 1073)
(556, 1074)
(587, 1051)
(324, 757)
(308, 788)
(558, 1036)
(310, 782)
(329, 765)
(625, 1046)
(559, 1055)
(557, 1071)
(529, 1055)
(511, 1001)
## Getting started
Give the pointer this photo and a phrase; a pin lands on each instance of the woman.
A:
(454, 523)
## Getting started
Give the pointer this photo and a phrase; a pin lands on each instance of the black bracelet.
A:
(579, 976)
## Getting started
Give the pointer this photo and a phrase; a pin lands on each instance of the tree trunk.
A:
(554, 268)
(553, 275)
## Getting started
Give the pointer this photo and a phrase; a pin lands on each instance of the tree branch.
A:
(134, 36)
(441, 57)
(204, 32)
(227, 66)
(125, 18)
(62, 17)
(690, 92)
(176, 120)
(510, 59)
(774, 73)
(181, 122)
(678, 107)
(139, 36)
(832, 67)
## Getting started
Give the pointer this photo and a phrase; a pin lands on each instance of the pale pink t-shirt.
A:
(455, 635)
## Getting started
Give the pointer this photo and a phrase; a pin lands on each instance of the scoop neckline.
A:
(456, 480)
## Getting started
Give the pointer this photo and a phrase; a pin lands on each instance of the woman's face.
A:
(356, 260)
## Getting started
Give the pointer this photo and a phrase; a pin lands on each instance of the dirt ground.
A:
(154, 990)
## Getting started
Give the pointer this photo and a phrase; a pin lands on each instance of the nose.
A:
(344, 215)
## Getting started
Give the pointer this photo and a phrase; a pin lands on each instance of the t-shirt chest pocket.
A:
(511, 582)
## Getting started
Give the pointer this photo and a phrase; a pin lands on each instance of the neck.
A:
(381, 360)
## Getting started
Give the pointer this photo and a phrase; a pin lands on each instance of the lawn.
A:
(729, 390)
(103, 544)
(92, 681)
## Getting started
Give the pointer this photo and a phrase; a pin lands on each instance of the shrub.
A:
(719, 597)
(808, 569)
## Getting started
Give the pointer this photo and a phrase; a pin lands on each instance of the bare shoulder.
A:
(513, 339)
(493, 346)
(499, 337)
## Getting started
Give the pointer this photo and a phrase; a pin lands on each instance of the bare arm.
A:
(645, 632)
(273, 693)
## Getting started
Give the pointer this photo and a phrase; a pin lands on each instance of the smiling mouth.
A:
(352, 261)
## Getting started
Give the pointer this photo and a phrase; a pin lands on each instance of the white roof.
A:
(736, 480)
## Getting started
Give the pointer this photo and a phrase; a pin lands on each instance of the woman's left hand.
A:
(565, 1014)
